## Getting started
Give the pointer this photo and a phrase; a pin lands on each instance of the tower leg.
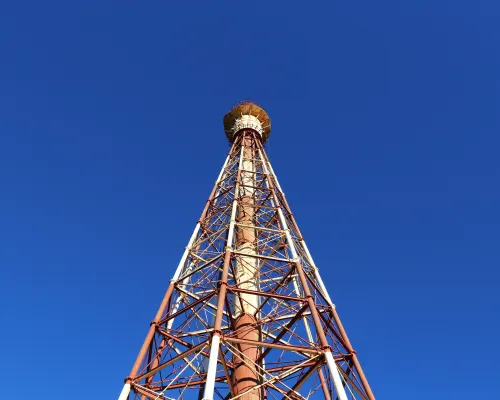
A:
(125, 392)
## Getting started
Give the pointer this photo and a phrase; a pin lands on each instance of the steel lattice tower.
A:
(246, 315)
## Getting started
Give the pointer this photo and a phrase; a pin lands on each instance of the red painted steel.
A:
(246, 278)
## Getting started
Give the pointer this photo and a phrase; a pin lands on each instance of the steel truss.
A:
(215, 323)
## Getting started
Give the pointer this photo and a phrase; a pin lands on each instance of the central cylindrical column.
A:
(246, 265)
(245, 370)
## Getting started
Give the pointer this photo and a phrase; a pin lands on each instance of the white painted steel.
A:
(248, 122)
(235, 207)
(175, 308)
(317, 274)
(231, 225)
(337, 381)
(222, 170)
(208, 393)
(125, 392)
(240, 164)
(266, 161)
(323, 288)
(247, 263)
(186, 253)
(295, 257)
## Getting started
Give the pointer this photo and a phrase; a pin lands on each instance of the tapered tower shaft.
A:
(246, 314)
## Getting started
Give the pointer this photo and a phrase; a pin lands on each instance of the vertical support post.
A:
(208, 393)
(125, 392)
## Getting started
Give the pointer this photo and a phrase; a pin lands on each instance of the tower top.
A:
(248, 115)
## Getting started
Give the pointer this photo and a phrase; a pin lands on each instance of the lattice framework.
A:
(196, 341)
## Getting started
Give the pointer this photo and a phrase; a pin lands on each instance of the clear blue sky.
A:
(385, 139)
